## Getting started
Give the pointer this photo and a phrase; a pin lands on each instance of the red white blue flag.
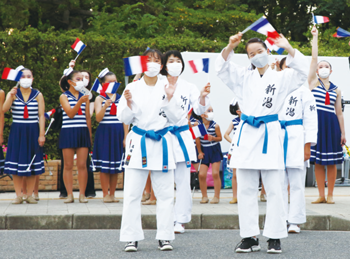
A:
(110, 88)
(317, 19)
(199, 65)
(78, 46)
(198, 131)
(341, 33)
(11, 74)
(135, 65)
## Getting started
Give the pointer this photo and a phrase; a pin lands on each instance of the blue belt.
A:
(284, 125)
(155, 135)
(256, 122)
(176, 131)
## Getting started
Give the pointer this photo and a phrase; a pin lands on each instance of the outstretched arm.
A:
(312, 78)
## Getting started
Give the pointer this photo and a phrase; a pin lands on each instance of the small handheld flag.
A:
(49, 113)
(78, 46)
(198, 65)
(198, 131)
(97, 87)
(341, 33)
(317, 19)
(264, 27)
(135, 65)
(11, 74)
(110, 88)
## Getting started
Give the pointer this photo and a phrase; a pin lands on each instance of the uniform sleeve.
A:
(173, 110)
(231, 74)
(296, 76)
(195, 100)
(310, 121)
(124, 113)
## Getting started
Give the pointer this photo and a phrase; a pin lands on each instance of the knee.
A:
(81, 166)
(68, 166)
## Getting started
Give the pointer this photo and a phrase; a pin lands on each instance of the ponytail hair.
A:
(234, 108)
(64, 80)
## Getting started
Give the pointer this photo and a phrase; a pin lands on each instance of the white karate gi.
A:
(260, 96)
(185, 94)
(147, 113)
(298, 105)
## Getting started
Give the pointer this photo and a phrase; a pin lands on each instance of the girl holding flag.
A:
(27, 136)
(185, 94)
(109, 138)
(149, 105)
(331, 132)
(75, 135)
(258, 142)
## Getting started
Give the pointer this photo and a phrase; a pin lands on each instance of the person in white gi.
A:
(259, 140)
(148, 105)
(184, 151)
(299, 118)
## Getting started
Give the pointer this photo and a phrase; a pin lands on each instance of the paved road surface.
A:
(193, 244)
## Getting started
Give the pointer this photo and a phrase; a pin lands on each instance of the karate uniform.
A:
(185, 94)
(298, 106)
(148, 114)
(259, 146)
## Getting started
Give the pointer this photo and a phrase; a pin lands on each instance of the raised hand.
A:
(72, 64)
(235, 40)
(314, 31)
(13, 91)
(107, 103)
(205, 90)
(170, 89)
(84, 99)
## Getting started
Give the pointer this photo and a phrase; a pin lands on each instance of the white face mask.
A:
(153, 69)
(324, 72)
(26, 82)
(260, 60)
(210, 116)
(174, 69)
(86, 81)
(79, 85)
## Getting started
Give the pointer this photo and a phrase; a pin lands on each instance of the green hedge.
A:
(48, 54)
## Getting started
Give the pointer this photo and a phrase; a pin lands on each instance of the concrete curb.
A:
(199, 221)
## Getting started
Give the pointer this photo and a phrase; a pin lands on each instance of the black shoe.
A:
(164, 245)
(131, 246)
(248, 245)
(274, 246)
(63, 195)
(92, 195)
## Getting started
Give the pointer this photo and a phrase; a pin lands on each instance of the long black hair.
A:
(64, 80)
(166, 56)
(154, 52)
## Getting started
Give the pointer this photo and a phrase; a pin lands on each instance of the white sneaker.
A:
(293, 229)
(179, 228)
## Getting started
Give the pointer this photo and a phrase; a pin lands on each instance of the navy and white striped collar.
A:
(33, 94)
(68, 93)
(331, 86)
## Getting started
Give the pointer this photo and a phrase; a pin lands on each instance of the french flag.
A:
(198, 65)
(264, 27)
(317, 19)
(78, 46)
(341, 33)
(97, 87)
(11, 74)
(135, 65)
(110, 88)
(49, 113)
(199, 131)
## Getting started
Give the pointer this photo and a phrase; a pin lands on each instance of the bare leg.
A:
(82, 154)
(18, 183)
(113, 180)
(216, 177)
(234, 183)
(68, 157)
(30, 184)
(262, 188)
(202, 176)
(104, 177)
(148, 184)
(153, 197)
(331, 177)
(320, 179)
(24, 186)
(36, 185)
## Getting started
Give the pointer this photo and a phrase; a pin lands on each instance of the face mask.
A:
(153, 69)
(210, 116)
(26, 82)
(260, 60)
(174, 69)
(79, 85)
(85, 81)
(324, 72)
